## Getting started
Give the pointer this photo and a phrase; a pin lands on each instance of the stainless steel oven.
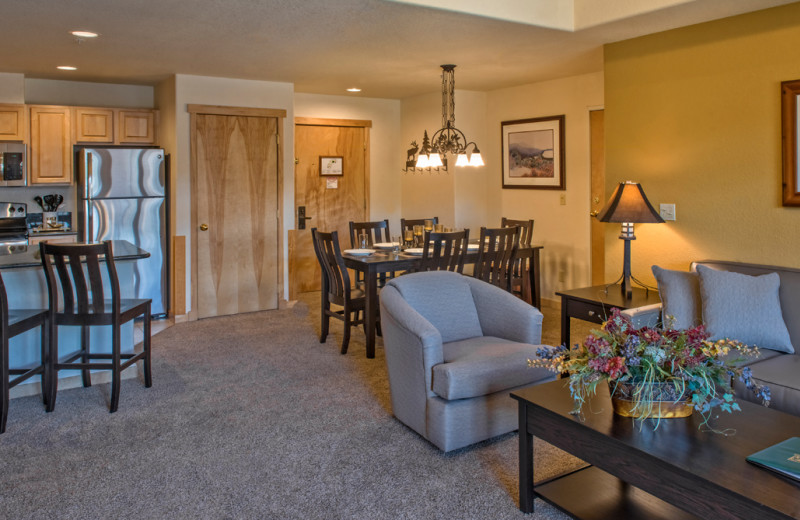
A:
(13, 226)
(13, 165)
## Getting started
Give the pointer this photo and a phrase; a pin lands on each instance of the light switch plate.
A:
(667, 211)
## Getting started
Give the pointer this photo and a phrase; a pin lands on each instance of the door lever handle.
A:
(301, 217)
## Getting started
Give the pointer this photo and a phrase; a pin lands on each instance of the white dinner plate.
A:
(414, 251)
(358, 252)
(384, 245)
(472, 247)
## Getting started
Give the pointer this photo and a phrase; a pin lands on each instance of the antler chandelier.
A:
(446, 140)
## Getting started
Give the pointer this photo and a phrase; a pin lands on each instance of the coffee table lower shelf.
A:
(591, 493)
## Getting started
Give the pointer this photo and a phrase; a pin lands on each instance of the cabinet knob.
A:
(203, 227)
(591, 313)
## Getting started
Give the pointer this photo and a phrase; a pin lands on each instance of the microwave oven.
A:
(13, 165)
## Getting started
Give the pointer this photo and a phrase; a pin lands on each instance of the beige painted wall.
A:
(81, 93)
(12, 87)
(385, 154)
(694, 115)
(563, 230)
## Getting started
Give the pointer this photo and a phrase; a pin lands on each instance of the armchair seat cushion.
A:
(484, 365)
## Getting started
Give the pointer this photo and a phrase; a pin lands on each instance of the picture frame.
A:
(331, 165)
(533, 153)
(790, 92)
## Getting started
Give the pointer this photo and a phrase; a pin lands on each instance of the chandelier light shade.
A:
(448, 139)
(628, 205)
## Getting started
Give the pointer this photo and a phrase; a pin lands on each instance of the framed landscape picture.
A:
(790, 92)
(533, 153)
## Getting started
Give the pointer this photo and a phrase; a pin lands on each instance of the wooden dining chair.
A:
(411, 222)
(84, 304)
(336, 287)
(444, 251)
(520, 277)
(496, 253)
(14, 322)
(376, 232)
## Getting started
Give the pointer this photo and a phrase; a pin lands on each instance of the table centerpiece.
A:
(655, 372)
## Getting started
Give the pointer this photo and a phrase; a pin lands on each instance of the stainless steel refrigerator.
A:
(123, 196)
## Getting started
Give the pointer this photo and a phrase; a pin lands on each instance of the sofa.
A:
(455, 348)
(756, 304)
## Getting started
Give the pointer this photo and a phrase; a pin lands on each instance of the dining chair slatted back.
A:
(376, 232)
(74, 275)
(444, 251)
(14, 322)
(409, 223)
(520, 284)
(336, 287)
(496, 253)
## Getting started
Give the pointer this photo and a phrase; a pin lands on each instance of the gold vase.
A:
(654, 409)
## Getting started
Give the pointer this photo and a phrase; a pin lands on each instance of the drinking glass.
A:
(396, 241)
(408, 234)
(363, 240)
(428, 225)
(418, 232)
(439, 228)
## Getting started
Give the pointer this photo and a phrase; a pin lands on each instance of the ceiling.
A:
(390, 49)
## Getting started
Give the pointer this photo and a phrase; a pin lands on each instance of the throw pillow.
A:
(744, 308)
(680, 298)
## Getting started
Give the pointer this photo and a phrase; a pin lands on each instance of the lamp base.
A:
(627, 289)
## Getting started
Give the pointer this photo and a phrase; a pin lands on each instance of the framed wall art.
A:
(533, 153)
(331, 165)
(790, 92)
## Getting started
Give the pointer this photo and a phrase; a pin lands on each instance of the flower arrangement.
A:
(653, 364)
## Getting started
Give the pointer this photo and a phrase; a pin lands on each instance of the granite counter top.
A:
(29, 256)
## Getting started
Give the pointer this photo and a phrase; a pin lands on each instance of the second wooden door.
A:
(331, 201)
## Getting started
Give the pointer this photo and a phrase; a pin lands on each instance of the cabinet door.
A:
(94, 125)
(51, 145)
(12, 122)
(137, 126)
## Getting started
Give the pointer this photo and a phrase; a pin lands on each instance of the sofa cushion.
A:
(680, 298)
(744, 308)
(444, 299)
(780, 374)
(484, 365)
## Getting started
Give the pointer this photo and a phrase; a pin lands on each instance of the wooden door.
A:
(598, 175)
(51, 145)
(236, 194)
(331, 201)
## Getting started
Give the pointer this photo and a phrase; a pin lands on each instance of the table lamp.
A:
(628, 205)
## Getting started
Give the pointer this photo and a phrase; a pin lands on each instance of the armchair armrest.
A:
(503, 315)
(645, 316)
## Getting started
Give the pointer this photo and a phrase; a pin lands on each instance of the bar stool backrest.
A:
(80, 294)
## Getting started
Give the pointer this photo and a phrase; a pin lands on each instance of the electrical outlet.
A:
(667, 211)
(563, 199)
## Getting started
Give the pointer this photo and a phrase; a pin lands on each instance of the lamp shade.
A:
(628, 203)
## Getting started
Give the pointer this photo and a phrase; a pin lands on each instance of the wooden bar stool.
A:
(84, 305)
(14, 322)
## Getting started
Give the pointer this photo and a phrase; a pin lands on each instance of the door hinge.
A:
(297, 160)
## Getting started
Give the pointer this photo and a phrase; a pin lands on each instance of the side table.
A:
(594, 304)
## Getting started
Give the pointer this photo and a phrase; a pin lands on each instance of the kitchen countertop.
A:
(123, 250)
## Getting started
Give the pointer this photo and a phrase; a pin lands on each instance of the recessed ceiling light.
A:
(84, 34)
(66, 67)
(354, 89)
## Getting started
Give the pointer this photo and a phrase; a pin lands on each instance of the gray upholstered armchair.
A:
(455, 347)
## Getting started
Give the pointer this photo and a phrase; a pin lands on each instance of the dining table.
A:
(387, 261)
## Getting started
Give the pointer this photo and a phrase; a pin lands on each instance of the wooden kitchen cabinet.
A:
(94, 125)
(12, 122)
(136, 126)
(51, 145)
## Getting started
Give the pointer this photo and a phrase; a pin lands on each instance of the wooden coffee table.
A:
(674, 472)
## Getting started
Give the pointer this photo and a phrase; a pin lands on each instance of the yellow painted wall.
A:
(694, 115)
